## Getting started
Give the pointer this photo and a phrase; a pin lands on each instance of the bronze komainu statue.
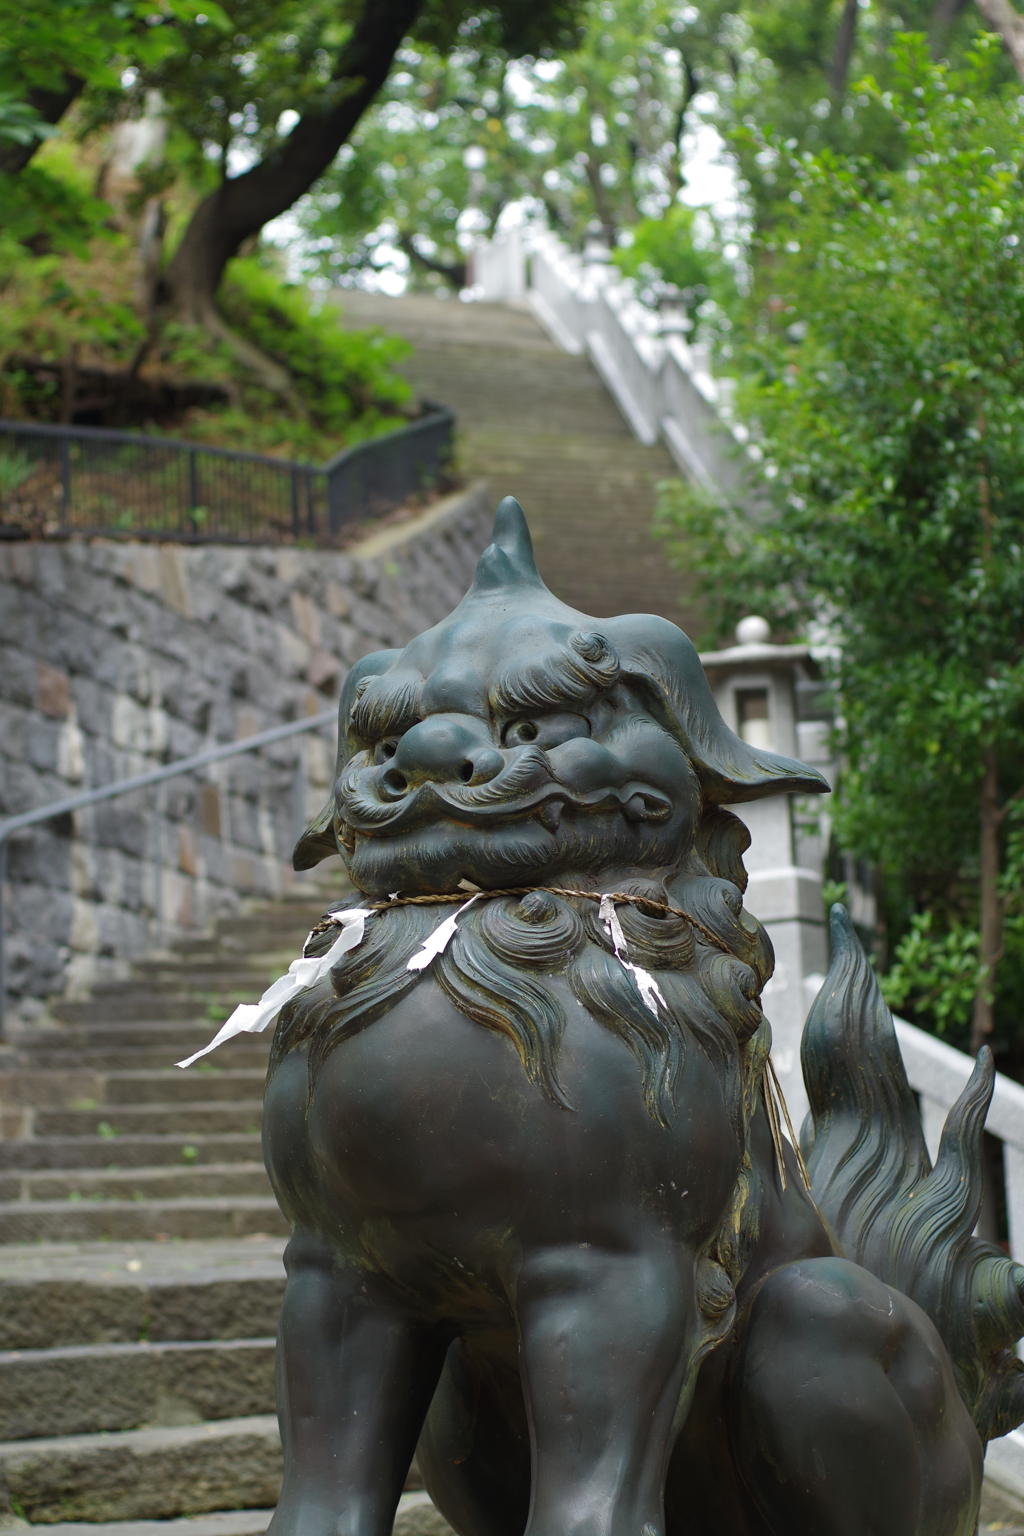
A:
(541, 1227)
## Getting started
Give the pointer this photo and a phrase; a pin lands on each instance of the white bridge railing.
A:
(662, 385)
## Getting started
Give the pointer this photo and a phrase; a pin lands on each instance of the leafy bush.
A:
(345, 380)
(668, 251)
(938, 974)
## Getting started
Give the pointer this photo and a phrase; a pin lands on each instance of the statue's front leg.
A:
(606, 1337)
(355, 1375)
(846, 1416)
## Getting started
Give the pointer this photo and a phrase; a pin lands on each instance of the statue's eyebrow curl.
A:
(565, 677)
(384, 710)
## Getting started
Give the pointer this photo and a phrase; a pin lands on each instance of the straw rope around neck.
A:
(663, 907)
(774, 1097)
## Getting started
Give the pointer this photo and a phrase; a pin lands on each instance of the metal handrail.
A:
(12, 824)
(222, 494)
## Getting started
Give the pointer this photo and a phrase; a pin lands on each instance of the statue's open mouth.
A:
(373, 805)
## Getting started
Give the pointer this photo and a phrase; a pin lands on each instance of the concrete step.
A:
(144, 1473)
(132, 1008)
(57, 1294)
(206, 1081)
(158, 1034)
(233, 1522)
(416, 1516)
(121, 1152)
(190, 1181)
(43, 1221)
(238, 1054)
(85, 1388)
(95, 1090)
(218, 1117)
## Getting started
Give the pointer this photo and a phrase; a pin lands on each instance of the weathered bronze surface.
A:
(540, 1228)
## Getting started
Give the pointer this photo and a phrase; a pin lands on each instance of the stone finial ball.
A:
(753, 630)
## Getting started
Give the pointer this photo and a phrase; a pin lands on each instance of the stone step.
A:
(43, 1221)
(116, 1152)
(82, 1090)
(132, 1008)
(416, 1516)
(237, 1053)
(232, 1522)
(189, 1181)
(125, 1036)
(144, 1473)
(206, 1081)
(82, 1389)
(57, 1294)
(217, 1117)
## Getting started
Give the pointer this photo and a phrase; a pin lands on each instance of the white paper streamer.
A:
(648, 988)
(438, 941)
(252, 1018)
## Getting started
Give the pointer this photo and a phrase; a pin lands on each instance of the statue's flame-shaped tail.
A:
(889, 1209)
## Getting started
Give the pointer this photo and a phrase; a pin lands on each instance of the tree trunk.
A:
(1002, 18)
(943, 17)
(242, 205)
(845, 38)
(51, 106)
(676, 178)
(991, 917)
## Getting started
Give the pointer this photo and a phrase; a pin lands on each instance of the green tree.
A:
(881, 367)
(50, 50)
(593, 136)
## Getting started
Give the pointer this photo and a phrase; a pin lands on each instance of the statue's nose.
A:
(443, 749)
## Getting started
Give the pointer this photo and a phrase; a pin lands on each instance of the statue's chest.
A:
(428, 1122)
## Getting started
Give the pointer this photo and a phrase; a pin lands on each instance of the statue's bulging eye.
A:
(545, 731)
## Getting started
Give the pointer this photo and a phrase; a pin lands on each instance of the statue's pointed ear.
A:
(508, 560)
(319, 841)
(665, 664)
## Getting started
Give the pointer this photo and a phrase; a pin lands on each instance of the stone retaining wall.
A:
(117, 657)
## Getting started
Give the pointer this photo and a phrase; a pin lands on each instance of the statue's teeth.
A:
(550, 814)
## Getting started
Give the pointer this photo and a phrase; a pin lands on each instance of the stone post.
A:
(772, 696)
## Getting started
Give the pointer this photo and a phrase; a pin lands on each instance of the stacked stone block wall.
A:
(117, 657)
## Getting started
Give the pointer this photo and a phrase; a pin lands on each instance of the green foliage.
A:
(45, 42)
(938, 973)
(346, 380)
(779, 100)
(48, 308)
(592, 135)
(881, 364)
(667, 251)
(47, 207)
(19, 122)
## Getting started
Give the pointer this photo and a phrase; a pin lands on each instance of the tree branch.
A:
(1002, 18)
(51, 106)
(242, 205)
(455, 274)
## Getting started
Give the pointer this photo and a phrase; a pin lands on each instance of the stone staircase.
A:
(140, 1253)
(541, 426)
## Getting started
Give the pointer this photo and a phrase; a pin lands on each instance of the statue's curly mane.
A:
(496, 968)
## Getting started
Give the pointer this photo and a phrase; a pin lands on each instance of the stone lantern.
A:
(773, 696)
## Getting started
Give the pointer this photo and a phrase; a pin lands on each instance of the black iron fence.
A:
(58, 480)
